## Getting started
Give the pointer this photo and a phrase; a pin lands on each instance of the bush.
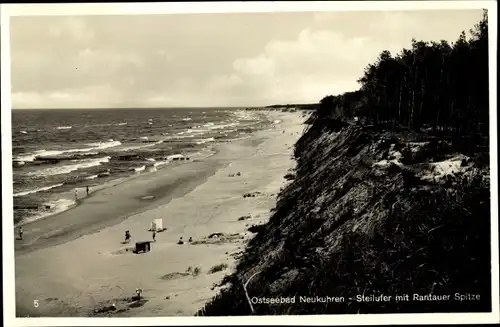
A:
(217, 268)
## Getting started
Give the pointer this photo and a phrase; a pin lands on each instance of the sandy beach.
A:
(75, 262)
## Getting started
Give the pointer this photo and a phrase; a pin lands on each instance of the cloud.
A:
(315, 63)
(74, 29)
(224, 83)
(105, 62)
(196, 60)
(165, 56)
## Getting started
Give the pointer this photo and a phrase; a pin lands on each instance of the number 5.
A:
(35, 303)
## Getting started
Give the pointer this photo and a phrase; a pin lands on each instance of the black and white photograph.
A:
(250, 160)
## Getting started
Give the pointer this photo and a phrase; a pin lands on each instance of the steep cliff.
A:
(371, 212)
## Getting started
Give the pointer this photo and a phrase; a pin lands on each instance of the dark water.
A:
(57, 151)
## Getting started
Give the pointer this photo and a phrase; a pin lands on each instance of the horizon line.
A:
(180, 107)
(138, 107)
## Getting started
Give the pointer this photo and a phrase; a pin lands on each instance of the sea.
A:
(58, 151)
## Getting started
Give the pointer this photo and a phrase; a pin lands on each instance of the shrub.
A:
(217, 268)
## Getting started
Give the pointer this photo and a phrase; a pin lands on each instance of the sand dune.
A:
(73, 276)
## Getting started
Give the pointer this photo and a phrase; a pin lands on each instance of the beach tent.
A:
(157, 224)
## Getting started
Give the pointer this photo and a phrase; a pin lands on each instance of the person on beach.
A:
(20, 232)
(127, 236)
(154, 234)
(87, 190)
(76, 194)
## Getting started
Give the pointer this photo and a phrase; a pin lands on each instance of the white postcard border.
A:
(8, 10)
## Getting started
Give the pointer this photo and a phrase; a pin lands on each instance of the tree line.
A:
(432, 85)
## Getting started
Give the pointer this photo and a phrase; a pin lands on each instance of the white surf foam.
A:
(203, 141)
(55, 207)
(222, 126)
(64, 127)
(65, 169)
(139, 169)
(46, 153)
(172, 156)
(99, 145)
(145, 145)
(41, 189)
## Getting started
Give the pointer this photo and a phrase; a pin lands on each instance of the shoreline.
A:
(95, 189)
(91, 227)
(204, 160)
(96, 267)
(205, 164)
(49, 199)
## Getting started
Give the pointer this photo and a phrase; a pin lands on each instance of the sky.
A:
(191, 60)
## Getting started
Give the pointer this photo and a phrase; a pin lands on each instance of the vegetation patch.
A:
(217, 268)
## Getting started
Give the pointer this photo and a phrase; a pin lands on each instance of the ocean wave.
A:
(228, 131)
(241, 137)
(142, 146)
(203, 141)
(192, 131)
(48, 153)
(187, 119)
(92, 177)
(65, 169)
(31, 156)
(160, 163)
(175, 137)
(64, 127)
(54, 207)
(99, 145)
(222, 126)
(138, 169)
(121, 124)
(173, 156)
(41, 189)
(245, 115)
(23, 132)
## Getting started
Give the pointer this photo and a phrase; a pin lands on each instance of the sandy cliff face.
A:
(371, 213)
